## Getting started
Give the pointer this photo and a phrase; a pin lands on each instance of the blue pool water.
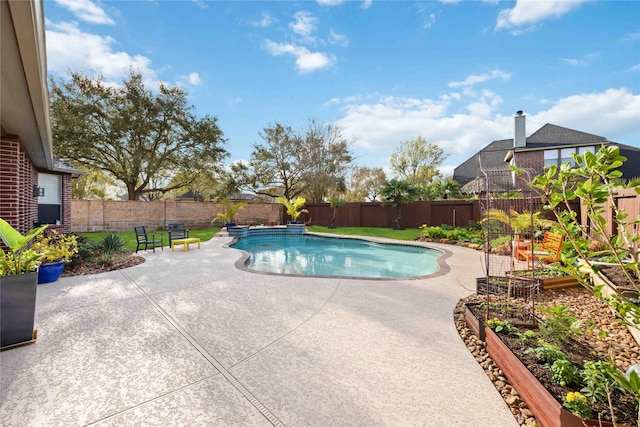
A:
(327, 256)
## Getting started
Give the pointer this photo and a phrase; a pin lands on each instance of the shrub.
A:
(87, 252)
(111, 245)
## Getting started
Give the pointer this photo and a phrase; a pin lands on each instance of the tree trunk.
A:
(333, 218)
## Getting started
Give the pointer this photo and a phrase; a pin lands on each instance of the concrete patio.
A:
(187, 339)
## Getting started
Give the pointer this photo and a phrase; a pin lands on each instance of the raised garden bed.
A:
(532, 380)
(547, 279)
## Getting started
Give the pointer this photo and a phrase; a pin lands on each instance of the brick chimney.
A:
(520, 139)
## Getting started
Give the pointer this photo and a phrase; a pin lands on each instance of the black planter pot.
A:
(17, 308)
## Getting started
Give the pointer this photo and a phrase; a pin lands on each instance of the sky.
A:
(453, 72)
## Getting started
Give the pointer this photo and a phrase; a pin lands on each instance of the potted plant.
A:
(293, 207)
(18, 284)
(231, 209)
(55, 250)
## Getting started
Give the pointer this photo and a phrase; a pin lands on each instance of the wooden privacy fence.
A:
(458, 213)
(106, 215)
(372, 214)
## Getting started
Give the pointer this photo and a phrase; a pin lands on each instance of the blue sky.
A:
(454, 72)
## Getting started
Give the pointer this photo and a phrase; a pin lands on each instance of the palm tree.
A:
(397, 192)
(293, 206)
(520, 222)
(335, 203)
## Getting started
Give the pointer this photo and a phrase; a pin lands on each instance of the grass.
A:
(130, 241)
(390, 233)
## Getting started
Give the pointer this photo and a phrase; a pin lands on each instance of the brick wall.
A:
(17, 177)
(108, 215)
(531, 160)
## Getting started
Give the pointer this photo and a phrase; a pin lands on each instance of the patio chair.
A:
(143, 240)
(177, 231)
(548, 252)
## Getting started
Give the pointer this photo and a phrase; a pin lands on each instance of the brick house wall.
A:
(17, 177)
(18, 206)
(530, 160)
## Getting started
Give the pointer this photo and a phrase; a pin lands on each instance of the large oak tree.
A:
(311, 163)
(150, 141)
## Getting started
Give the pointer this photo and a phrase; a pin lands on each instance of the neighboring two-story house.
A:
(548, 145)
(34, 188)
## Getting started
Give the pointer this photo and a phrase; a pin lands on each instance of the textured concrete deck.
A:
(186, 339)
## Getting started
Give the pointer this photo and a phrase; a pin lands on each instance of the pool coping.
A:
(443, 267)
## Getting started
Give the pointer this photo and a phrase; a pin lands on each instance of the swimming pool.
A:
(311, 255)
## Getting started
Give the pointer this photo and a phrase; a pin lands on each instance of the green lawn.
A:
(130, 242)
(390, 233)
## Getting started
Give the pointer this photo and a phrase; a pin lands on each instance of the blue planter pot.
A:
(50, 272)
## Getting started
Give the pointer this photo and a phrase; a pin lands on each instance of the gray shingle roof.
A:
(557, 135)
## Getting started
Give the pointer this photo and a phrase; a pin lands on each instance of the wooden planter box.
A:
(547, 410)
(476, 325)
(559, 282)
(608, 289)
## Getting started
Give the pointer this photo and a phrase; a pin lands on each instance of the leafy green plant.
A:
(397, 193)
(546, 352)
(576, 403)
(19, 259)
(564, 372)
(560, 324)
(87, 252)
(55, 246)
(630, 382)
(520, 222)
(526, 335)
(293, 206)
(500, 326)
(592, 181)
(111, 245)
(231, 209)
(452, 233)
(598, 380)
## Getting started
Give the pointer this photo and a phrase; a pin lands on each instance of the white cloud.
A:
(192, 79)
(264, 21)
(304, 24)
(429, 21)
(91, 53)
(366, 4)
(87, 11)
(330, 2)
(527, 13)
(575, 62)
(306, 61)
(465, 125)
(612, 113)
(201, 4)
(635, 68)
(339, 39)
(475, 79)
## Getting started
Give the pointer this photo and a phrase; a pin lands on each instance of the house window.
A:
(564, 155)
(550, 158)
(50, 205)
(583, 150)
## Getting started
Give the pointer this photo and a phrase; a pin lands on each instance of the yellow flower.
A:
(571, 396)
